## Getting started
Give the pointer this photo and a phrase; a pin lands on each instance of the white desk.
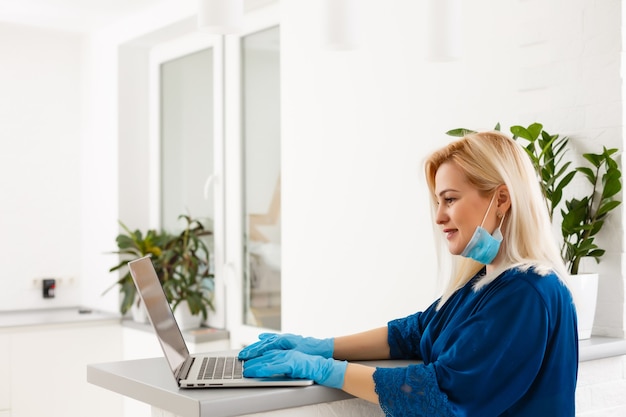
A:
(151, 381)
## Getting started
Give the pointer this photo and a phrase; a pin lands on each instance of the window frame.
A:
(162, 53)
(241, 334)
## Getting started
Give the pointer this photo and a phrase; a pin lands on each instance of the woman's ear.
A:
(503, 199)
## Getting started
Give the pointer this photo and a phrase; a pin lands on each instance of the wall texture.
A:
(601, 387)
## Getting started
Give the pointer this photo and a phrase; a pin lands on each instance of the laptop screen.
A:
(159, 312)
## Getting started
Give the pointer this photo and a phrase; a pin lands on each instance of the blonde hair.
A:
(490, 159)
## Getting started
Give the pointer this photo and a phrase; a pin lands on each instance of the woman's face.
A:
(460, 207)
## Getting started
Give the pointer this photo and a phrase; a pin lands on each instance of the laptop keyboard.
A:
(221, 368)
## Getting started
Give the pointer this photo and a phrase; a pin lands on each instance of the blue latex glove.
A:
(294, 364)
(273, 341)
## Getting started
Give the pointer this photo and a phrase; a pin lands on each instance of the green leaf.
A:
(566, 180)
(535, 130)
(459, 132)
(522, 132)
(604, 209)
(588, 173)
(594, 159)
(598, 253)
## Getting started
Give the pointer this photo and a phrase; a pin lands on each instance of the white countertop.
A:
(151, 381)
(599, 347)
(66, 315)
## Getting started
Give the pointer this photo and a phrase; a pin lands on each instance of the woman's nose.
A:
(440, 215)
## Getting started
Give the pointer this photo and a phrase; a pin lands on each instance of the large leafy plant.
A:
(133, 244)
(180, 260)
(583, 217)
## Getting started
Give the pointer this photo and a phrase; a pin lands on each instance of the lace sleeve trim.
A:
(411, 392)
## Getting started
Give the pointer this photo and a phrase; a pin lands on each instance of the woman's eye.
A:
(449, 200)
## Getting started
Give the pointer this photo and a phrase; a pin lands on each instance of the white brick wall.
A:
(571, 68)
(601, 390)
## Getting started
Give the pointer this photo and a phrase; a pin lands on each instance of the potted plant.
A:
(582, 218)
(182, 265)
(187, 278)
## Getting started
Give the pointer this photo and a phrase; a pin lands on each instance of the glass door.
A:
(260, 70)
(186, 139)
(187, 143)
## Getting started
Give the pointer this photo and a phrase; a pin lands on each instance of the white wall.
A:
(357, 244)
(40, 119)
(115, 132)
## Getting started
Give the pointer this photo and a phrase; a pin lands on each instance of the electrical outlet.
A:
(49, 287)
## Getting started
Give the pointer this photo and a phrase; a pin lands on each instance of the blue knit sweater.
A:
(508, 349)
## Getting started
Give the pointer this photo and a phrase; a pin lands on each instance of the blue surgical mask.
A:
(484, 247)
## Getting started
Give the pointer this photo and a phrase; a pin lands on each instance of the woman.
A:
(501, 341)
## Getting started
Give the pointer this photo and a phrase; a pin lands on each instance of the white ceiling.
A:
(69, 15)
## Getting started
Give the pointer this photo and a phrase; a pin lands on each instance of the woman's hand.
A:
(295, 364)
(273, 341)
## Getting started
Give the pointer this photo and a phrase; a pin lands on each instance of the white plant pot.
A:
(184, 318)
(585, 291)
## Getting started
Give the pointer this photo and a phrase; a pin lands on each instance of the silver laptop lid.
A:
(159, 312)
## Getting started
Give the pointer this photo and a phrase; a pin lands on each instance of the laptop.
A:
(198, 370)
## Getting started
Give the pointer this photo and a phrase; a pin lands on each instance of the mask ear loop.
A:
(501, 220)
